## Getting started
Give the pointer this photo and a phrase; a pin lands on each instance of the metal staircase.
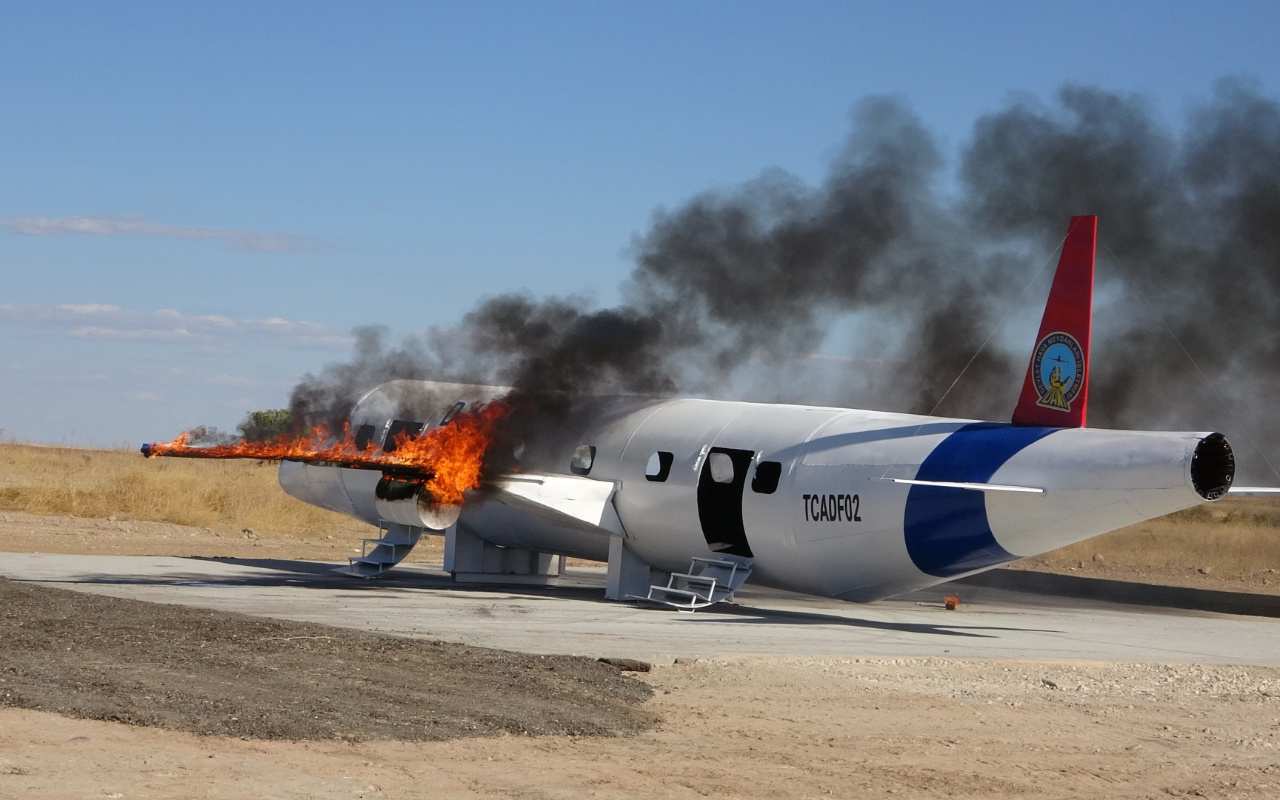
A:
(708, 581)
(387, 550)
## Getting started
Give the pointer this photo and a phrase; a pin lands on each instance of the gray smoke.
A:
(1189, 260)
(736, 293)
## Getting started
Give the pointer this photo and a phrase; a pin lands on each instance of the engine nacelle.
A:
(408, 503)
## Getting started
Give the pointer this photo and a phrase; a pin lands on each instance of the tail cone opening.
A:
(1213, 467)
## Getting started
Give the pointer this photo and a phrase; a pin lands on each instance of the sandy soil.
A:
(32, 533)
(793, 728)
(1257, 581)
(923, 728)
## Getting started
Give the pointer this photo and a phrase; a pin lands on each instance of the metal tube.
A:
(350, 462)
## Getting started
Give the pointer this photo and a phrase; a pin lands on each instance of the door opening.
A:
(720, 484)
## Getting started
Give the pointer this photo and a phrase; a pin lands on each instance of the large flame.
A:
(447, 460)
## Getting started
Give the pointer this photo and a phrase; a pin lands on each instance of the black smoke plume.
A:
(878, 286)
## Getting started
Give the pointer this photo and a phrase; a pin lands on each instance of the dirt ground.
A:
(63, 533)
(210, 672)
(759, 728)
(812, 727)
(1265, 580)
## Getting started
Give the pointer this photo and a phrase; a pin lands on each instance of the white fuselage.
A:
(809, 493)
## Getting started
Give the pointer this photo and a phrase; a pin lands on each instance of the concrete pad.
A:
(574, 618)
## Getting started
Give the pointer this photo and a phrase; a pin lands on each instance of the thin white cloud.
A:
(89, 308)
(137, 226)
(126, 335)
(101, 322)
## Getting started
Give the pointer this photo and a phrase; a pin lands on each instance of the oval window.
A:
(721, 467)
(659, 466)
(582, 459)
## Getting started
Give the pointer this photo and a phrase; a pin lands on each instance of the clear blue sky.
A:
(268, 175)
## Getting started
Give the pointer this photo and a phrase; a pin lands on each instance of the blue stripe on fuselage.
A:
(946, 529)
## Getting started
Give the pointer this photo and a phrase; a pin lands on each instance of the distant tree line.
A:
(267, 425)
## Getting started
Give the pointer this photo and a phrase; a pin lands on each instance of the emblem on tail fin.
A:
(1056, 370)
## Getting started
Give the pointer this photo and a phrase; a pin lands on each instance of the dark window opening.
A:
(451, 413)
(582, 459)
(364, 437)
(766, 477)
(659, 466)
(406, 428)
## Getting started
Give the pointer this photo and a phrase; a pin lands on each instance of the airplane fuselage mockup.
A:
(686, 498)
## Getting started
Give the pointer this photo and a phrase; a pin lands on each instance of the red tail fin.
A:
(1055, 393)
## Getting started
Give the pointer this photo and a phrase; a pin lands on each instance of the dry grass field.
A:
(1234, 542)
(123, 484)
(1233, 537)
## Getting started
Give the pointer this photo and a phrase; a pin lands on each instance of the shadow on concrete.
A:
(772, 616)
(273, 572)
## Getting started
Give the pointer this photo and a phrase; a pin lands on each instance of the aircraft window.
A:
(401, 426)
(582, 459)
(766, 478)
(452, 412)
(659, 466)
(721, 467)
(364, 436)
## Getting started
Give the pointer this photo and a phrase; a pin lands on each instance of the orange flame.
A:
(448, 460)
